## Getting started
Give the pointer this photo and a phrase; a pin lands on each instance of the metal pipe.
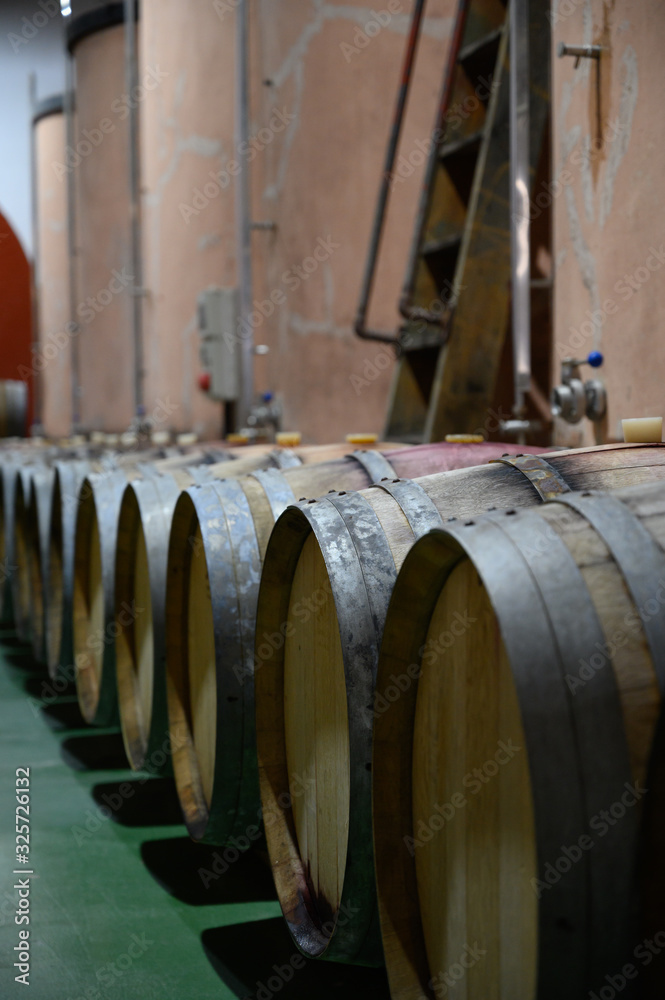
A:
(579, 51)
(136, 288)
(243, 216)
(519, 199)
(36, 381)
(74, 328)
(438, 135)
(384, 190)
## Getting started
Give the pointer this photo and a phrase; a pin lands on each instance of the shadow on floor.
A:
(198, 875)
(21, 658)
(97, 752)
(140, 801)
(255, 961)
(10, 640)
(63, 714)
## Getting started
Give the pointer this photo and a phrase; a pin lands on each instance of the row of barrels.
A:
(434, 674)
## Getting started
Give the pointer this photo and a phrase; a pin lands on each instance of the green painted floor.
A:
(118, 910)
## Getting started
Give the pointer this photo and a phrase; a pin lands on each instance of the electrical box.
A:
(220, 343)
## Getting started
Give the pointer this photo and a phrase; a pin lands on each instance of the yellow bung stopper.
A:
(288, 439)
(465, 438)
(185, 440)
(643, 430)
(97, 437)
(111, 440)
(237, 439)
(362, 438)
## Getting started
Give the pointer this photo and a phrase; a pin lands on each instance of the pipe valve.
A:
(573, 398)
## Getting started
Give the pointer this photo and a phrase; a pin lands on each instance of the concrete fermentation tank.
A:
(52, 361)
(188, 193)
(97, 163)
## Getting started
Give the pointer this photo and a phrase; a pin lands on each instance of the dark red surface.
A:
(15, 310)
(426, 459)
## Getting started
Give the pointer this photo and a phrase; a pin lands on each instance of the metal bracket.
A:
(579, 52)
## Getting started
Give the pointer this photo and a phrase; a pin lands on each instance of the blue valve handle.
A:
(595, 359)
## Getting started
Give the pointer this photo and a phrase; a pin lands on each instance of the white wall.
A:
(31, 40)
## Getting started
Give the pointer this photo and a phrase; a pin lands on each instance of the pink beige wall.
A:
(609, 214)
(53, 359)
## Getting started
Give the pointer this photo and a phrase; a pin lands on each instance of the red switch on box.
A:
(204, 381)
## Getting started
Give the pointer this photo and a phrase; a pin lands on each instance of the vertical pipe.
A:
(34, 285)
(74, 328)
(136, 288)
(243, 216)
(386, 179)
(519, 198)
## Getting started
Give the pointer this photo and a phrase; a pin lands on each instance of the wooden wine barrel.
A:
(13, 408)
(37, 532)
(93, 593)
(95, 626)
(9, 472)
(20, 568)
(512, 754)
(218, 539)
(68, 478)
(314, 688)
(58, 558)
(141, 567)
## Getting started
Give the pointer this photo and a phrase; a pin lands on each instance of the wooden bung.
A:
(517, 781)
(334, 562)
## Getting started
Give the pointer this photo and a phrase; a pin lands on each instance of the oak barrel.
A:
(329, 572)
(141, 565)
(516, 773)
(218, 540)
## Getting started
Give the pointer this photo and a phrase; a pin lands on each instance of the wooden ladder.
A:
(456, 297)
